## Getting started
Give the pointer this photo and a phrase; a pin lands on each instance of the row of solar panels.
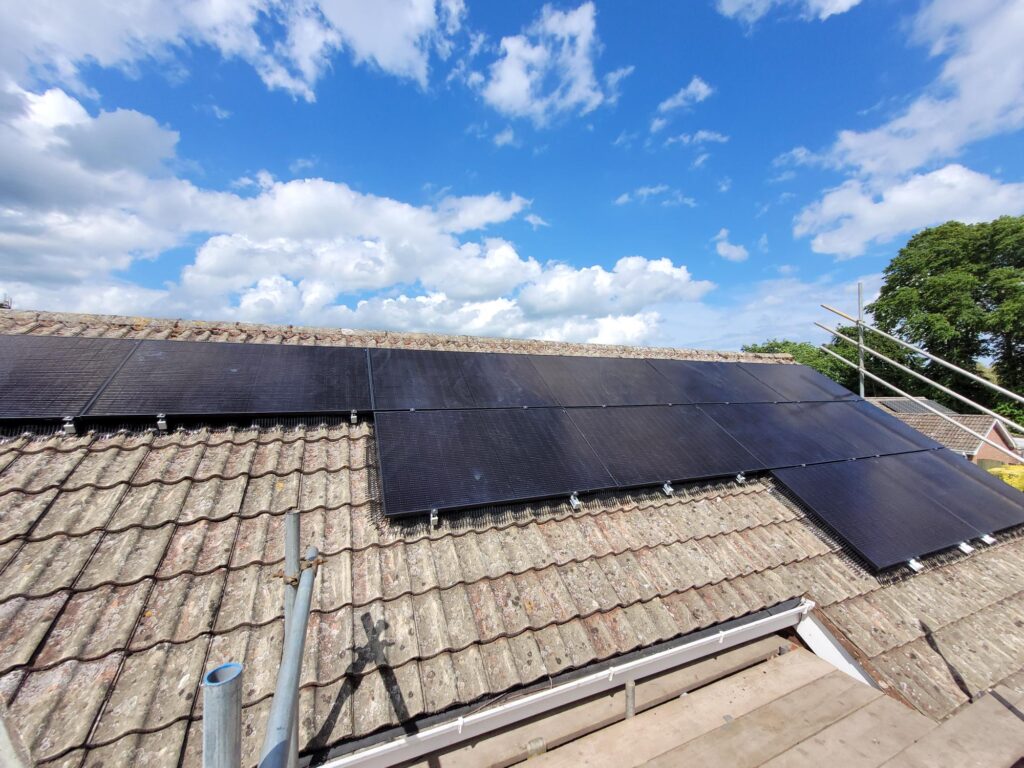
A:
(55, 377)
(457, 430)
(888, 491)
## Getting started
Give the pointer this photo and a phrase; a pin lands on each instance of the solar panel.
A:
(984, 501)
(713, 382)
(203, 378)
(54, 376)
(903, 405)
(797, 382)
(463, 458)
(653, 444)
(785, 434)
(579, 381)
(504, 380)
(409, 378)
(883, 507)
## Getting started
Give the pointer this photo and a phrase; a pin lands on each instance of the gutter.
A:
(404, 746)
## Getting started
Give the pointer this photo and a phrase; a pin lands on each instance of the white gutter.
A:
(411, 746)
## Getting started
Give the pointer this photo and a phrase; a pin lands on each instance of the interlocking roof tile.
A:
(130, 563)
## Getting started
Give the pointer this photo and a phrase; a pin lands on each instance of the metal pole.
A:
(939, 360)
(277, 743)
(926, 380)
(291, 583)
(222, 717)
(860, 336)
(937, 412)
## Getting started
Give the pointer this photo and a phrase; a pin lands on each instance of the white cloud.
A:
(727, 250)
(750, 11)
(851, 217)
(692, 93)
(548, 70)
(668, 196)
(505, 138)
(700, 159)
(700, 137)
(309, 251)
(724, 184)
(535, 221)
(894, 184)
(300, 164)
(658, 123)
(50, 40)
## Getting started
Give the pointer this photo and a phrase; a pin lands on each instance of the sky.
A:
(701, 173)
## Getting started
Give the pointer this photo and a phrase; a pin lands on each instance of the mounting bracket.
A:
(667, 489)
(574, 501)
(434, 520)
(161, 422)
(69, 426)
(915, 565)
(988, 539)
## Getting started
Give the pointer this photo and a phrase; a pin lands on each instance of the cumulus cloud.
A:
(727, 250)
(851, 216)
(548, 70)
(300, 251)
(50, 40)
(896, 184)
(692, 93)
(750, 11)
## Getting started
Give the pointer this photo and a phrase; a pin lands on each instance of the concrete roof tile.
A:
(23, 624)
(94, 624)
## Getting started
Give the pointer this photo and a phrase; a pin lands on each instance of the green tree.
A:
(957, 290)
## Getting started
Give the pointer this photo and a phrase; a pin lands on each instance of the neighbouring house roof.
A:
(130, 563)
(951, 435)
(903, 405)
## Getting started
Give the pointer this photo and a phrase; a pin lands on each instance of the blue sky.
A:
(687, 173)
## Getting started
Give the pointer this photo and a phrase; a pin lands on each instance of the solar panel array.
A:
(457, 430)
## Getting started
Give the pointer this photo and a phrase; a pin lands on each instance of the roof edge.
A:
(138, 326)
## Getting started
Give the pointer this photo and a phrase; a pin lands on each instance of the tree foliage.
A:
(957, 290)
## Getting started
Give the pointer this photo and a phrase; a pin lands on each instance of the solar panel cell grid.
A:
(582, 381)
(711, 382)
(797, 382)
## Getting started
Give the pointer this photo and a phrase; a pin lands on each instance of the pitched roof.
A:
(951, 435)
(130, 563)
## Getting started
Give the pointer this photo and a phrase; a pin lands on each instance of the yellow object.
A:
(1013, 475)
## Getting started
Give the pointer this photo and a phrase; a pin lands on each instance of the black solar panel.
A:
(53, 376)
(453, 459)
(503, 380)
(700, 382)
(204, 378)
(797, 382)
(785, 434)
(408, 378)
(884, 508)
(579, 381)
(903, 405)
(653, 444)
(984, 501)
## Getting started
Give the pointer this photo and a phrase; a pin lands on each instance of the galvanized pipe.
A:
(277, 742)
(860, 336)
(926, 380)
(937, 412)
(291, 585)
(222, 717)
(939, 360)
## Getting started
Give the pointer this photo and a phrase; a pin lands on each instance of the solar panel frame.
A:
(53, 377)
(791, 434)
(647, 445)
(877, 507)
(713, 382)
(456, 459)
(797, 383)
(180, 378)
(577, 381)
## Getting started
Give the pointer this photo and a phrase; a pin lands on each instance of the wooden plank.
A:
(984, 734)
(633, 742)
(562, 726)
(868, 737)
(774, 727)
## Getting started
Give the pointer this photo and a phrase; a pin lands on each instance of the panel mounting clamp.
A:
(574, 501)
(161, 422)
(741, 478)
(434, 521)
(353, 418)
(988, 539)
(69, 426)
(915, 565)
(964, 547)
(667, 489)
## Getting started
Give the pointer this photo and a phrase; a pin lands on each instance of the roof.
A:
(130, 563)
(901, 405)
(951, 435)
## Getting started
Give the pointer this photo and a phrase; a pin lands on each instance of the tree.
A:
(957, 290)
